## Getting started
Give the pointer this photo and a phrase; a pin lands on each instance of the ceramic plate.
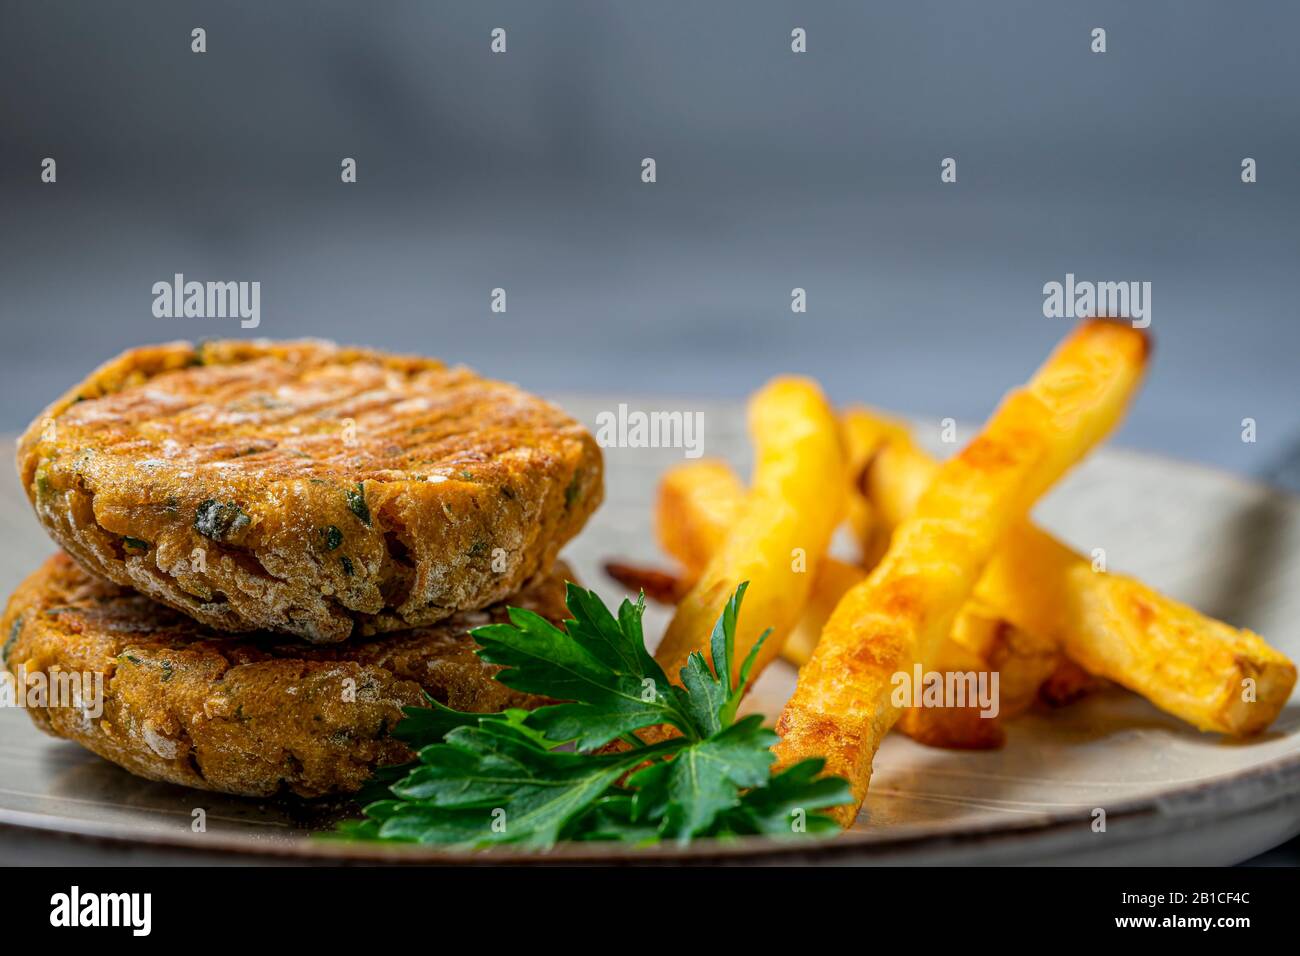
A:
(1171, 794)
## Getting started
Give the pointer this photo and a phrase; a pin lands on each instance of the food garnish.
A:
(577, 770)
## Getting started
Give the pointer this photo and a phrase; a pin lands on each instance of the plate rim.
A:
(1282, 773)
(1280, 776)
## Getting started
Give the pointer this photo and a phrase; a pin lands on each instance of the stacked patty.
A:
(279, 545)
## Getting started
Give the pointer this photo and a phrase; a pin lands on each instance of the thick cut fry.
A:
(781, 534)
(707, 489)
(1022, 660)
(834, 578)
(695, 499)
(1068, 683)
(1116, 627)
(842, 706)
(954, 728)
(865, 432)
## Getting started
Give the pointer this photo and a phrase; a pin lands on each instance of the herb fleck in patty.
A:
(306, 488)
(250, 716)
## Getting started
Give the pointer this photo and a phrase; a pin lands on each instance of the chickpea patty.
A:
(253, 716)
(307, 488)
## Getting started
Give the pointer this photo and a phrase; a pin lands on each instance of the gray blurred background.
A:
(775, 170)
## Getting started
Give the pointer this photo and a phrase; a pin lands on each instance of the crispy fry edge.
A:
(842, 707)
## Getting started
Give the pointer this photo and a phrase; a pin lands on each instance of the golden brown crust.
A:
(1216, 677)
(843, 705)
(252, 716)
(307, 488)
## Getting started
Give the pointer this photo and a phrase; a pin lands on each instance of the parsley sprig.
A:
(534, 778)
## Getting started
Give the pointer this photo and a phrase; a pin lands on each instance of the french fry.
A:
(693, 500)
(1022, 660)
(953, 728)
(781, 534)
(865, 432)
(698, 504)
(834, 578)
(1198, 669)
(842, 706)
(1068, 683)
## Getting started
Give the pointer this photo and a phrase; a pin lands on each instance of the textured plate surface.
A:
(1170, 794)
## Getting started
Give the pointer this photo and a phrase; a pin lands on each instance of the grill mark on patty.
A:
(255, 436)
(305, 426)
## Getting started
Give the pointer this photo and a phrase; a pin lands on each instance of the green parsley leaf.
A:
(611, 818)
(533, 778)
(519, 792)
(422, 726)
(787, 805)
(712, 699)
(597, 663)
(688, 792)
